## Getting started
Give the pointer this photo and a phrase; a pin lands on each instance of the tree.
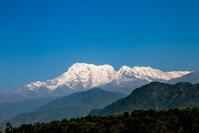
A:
(151, 121)
(9, 128)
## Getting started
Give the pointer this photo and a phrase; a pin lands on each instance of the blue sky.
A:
(40, 39)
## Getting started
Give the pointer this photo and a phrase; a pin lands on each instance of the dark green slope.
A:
(156, 96)
(75, 105)
(171, 121)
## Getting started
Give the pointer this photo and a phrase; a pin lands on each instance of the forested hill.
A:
(171, 121)
(72, 106)
(156, 96)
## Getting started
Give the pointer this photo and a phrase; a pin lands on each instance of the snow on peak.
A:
(152, 73)
(79, 68)
(35, 84)
(79, 75)
(86, 76)
(127, 72)
(125, 69)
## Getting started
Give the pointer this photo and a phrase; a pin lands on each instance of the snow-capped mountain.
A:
(82, 76)
(79, 75)
(151, 74)
(191, 78)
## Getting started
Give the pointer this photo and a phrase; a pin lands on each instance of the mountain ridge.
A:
(156, 96)
(82, 76)
(72, 106)
(191, 78)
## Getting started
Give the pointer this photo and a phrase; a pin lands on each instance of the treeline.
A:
(171, 121)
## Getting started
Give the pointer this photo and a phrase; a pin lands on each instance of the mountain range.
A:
(81, 76)
(96, 101)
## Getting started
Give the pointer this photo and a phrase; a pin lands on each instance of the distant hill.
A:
(191, 78)
(155, 96)
(10, 110)
(75, 105)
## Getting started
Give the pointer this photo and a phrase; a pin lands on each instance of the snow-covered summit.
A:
(152, 73)
(81, 76)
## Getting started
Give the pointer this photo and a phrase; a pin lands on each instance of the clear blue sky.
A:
(40, 39)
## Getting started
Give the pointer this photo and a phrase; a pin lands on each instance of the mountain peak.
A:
(125, 70)
(157, 74)
(89, 66)
(79, 68)
(143, 68)
(192, 77)
(82, 76)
